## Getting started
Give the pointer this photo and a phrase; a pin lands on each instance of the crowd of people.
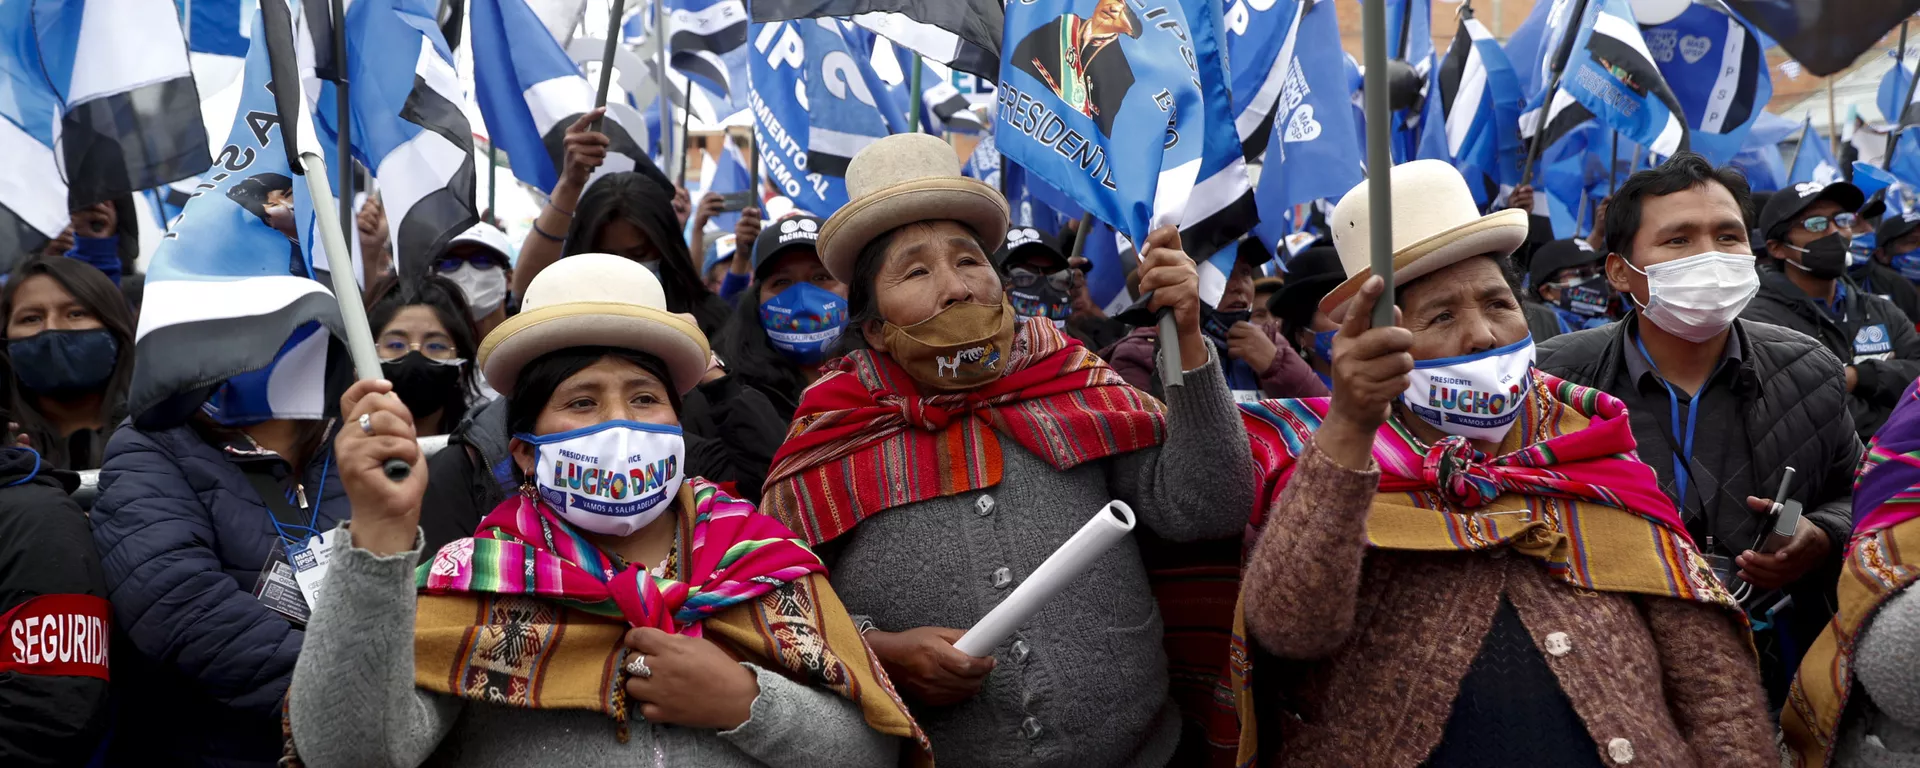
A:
(1637, 498)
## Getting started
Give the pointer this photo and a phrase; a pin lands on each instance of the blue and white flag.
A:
(1613, 76)
(1260, 37)
(843, 111)
(228, 289)
(407, 124)
(220, 27)
(96, 102)
(1106, 105)
(1416, 49)
(780, 102)
(1718, 71)
(1220, 208)
(707, 42)
(1473, 112)
(1897, 100)
(1813, 161)
(530, 91)
(1312, 153)
(1760, 158)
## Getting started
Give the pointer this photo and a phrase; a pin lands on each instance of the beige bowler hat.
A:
(902, 179)
(1435, 225)
(594, 300)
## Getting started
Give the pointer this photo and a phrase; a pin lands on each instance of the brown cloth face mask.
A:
(965, 346)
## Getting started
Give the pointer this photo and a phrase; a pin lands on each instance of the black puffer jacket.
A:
(1876, 338)
(1794, 400)
(1887, 283)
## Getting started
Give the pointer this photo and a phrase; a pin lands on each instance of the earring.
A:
(526, 487)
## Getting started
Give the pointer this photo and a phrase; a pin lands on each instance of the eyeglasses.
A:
(1021, 277)
(479, 260)
(437, 351)
(1818, 224)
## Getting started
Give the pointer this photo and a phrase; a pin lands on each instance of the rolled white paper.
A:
(1061, 568)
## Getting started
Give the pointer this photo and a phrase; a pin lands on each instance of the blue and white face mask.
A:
(1323, 345)
(804, 321)
(1476, 396)
(612, 478)
(1908, 263)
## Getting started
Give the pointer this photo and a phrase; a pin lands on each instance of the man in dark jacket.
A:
(54, 620)
(1806, 229)
(1720, 407)
(1896, 254)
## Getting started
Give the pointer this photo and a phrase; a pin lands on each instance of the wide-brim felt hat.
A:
(1435, 225)
(594, 300)
(903, 179)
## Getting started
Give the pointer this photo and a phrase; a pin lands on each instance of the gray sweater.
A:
(353, 702)
(1084, 683)
(1882, 728)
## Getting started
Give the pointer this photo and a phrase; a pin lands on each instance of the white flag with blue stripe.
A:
(233, 320)
(96, 101)
(1473, 107)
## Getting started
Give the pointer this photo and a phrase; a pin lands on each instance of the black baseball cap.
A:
(1787, 204)
(1894, 227)
(779, 237)
(1558, 255)
(1023, 242)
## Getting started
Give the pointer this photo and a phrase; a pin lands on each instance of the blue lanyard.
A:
(1682, 461)
(312, 520)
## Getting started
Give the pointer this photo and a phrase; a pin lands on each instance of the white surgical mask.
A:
(484, 289)
(612, 478)
(1699, 296)
(1475, 396)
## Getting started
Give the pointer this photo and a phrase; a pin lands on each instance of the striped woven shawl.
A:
(1569, 492)
(865, 440)
(1883, 557)
(528, 613)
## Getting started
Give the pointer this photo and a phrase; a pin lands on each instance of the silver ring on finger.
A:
(366, 423)
(638, 667)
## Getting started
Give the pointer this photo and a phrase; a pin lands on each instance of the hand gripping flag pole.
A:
(305, 159)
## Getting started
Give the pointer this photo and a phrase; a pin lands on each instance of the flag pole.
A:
(1613, 163)
(1899, 65)
(493, 177)
(304, 159)
(1373, 30)
(1535, 147)
(606, 59)
(753, 167)
(1833, 123)
(343, 109)
(686, 111)
(660, 79)
(913, 98)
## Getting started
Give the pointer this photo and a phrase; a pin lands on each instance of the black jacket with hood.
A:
(1873, 336)
(45, 549)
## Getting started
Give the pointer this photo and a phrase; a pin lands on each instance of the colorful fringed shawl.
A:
(1883, 557)
(866, 440)
(528, 613)
(1569, 492)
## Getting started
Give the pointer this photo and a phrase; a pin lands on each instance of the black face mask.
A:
(1215, 324)
(1587, 298)
(423, 384)
(1825, 258)
(55, 363)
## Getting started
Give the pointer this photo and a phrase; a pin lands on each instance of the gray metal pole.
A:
(1373, 30)
(913, 98)
(606, 58)
(343, 107)
(1613, 163)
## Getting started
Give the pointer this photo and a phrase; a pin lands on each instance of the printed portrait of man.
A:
(270, 197)
(1081, 60)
